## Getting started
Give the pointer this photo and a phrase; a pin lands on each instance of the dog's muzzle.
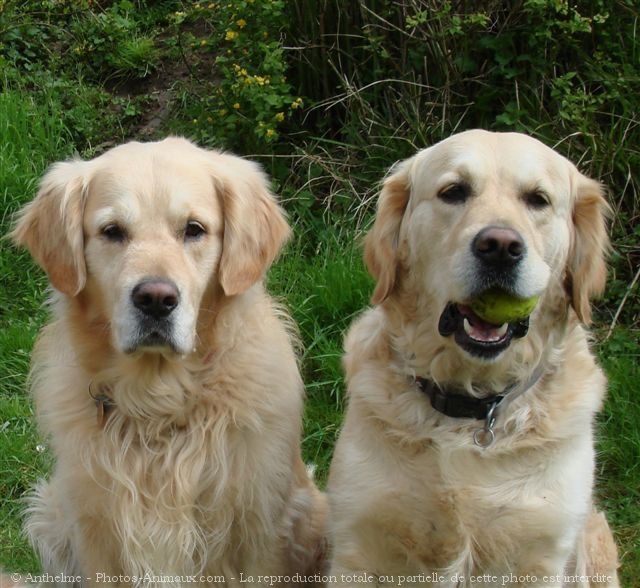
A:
(155, 299)
(498, 253)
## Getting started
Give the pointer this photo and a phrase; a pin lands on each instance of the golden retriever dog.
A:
(167, 382)
(466, 456)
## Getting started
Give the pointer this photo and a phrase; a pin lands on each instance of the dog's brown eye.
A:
(193, 230)
(455, 193)
(114, 233)
(536, 199)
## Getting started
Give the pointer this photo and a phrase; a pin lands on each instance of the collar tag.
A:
(104, 406)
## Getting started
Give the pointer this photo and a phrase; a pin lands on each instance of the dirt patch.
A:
(191, 69)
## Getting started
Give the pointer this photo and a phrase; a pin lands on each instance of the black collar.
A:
(457, 405)
(460, 405)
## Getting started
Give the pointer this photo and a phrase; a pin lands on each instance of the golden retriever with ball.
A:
(166, 382)
(466, 456)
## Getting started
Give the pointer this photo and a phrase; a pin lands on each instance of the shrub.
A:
(246, 98)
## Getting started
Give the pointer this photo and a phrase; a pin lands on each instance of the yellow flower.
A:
(231, 35)
(279, 116)
(237, 106)
(270, 133)
(297, 103)
(241, 23)
(203, 42)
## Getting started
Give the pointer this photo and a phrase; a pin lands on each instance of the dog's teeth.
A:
(502, 331)
(468, 329)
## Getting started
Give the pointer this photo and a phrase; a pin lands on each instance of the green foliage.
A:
(73, 50)
(112, 44)
(29, 32)
(99, 43)
(249, 100)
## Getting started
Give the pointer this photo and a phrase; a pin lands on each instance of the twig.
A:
(622, 303)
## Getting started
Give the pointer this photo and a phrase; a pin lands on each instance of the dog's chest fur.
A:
(180, 493)
(173, 499)
(465, 514)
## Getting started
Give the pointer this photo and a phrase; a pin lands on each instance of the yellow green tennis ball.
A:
(498, 307)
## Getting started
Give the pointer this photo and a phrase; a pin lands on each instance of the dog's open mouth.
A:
(477, 336)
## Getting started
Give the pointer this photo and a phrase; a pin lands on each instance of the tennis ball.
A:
(498, 307)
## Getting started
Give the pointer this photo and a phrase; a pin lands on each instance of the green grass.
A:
(31, 136)
(323, 293)
(619, 448)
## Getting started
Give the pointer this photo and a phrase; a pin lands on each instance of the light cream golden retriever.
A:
(436, 478)
(166, 381)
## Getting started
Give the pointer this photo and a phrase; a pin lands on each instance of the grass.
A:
(619, 447)
(30, 138)
(323, 293)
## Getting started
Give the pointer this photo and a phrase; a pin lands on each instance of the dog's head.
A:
(147, 235)
(482, 211)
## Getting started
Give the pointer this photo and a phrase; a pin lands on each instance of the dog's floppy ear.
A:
(255, 227)
(586, 266)
(50, 226)
(381, 242)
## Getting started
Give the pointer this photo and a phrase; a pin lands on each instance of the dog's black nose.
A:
(499, 246)
(155, 297)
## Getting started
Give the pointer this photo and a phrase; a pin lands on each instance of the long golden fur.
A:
(414, 500)
(195, 470)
